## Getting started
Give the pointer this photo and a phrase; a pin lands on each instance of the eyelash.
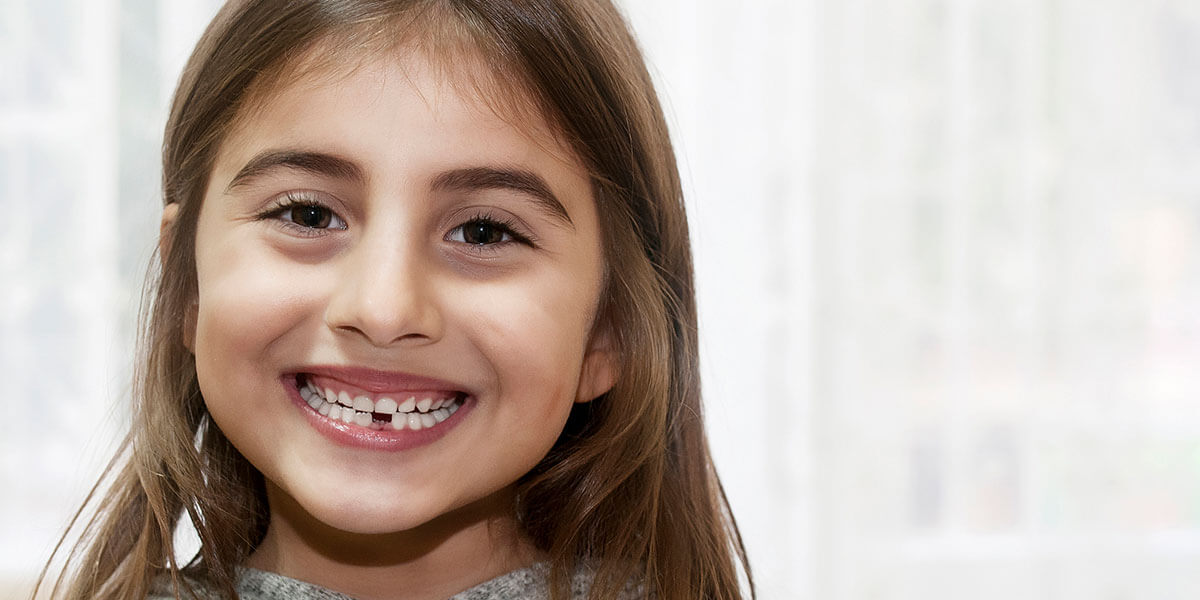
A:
(505, 226)
(293, 200)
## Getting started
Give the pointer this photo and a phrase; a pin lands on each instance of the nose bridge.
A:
(384, 292)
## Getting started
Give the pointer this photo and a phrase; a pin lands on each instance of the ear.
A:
(600, 366)
(166, 235)
(166, 228)
(189, 326)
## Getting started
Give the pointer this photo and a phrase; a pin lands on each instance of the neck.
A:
(452, 553)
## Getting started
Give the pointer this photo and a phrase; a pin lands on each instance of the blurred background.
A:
(949, 269)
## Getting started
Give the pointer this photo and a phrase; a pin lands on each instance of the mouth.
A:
(413, 410)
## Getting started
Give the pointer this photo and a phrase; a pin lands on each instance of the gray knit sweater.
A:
(530, 583)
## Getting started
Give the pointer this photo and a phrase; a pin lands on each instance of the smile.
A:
(413, 410)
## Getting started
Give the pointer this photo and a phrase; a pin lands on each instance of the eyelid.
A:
(514, 222)
(512, 226)
(460, 232)
(301, 198)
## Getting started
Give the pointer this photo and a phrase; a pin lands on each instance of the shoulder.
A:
(533, 583)
(162, 588)
(530, 583)
(252, 585)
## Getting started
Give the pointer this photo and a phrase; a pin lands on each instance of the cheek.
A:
(247, 300)
(248, 307)
(534, 331)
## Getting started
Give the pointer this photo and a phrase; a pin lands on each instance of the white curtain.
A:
(948, 256)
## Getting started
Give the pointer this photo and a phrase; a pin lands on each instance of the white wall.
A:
(949, 266)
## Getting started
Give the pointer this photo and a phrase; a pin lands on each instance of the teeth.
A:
(411, 413)
(363, 404)
(385, 405)
(312, 399)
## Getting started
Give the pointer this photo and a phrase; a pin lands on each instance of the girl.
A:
(424, 323)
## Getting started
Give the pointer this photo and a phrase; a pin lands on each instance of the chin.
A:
(392, 511)
(372, 523)
(353, 515)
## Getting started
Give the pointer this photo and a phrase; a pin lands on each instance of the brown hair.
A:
(630, 480)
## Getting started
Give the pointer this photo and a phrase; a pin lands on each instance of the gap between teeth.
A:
(411, 414)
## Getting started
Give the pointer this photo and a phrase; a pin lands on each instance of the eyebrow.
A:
(316, 163)
(468, 179)
(531, 184)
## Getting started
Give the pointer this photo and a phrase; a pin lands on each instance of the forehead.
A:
(328, 89)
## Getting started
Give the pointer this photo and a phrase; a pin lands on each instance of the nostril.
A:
(379, 336)
(385, 321)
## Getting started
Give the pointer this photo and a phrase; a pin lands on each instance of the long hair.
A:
(630, 481)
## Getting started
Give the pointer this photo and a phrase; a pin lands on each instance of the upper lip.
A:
(377, 381)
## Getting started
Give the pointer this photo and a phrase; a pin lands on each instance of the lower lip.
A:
(354, 436)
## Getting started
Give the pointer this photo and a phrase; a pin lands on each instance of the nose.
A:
(385, 295)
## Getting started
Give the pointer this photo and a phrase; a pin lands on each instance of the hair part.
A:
(631, 480)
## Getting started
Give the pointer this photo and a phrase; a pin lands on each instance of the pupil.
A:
(481, 233)
(311, 216)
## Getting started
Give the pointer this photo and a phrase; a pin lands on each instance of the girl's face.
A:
(376, 235)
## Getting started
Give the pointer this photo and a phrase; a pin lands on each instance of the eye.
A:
(314, 217)
(304, 214)
(481, 232)
(485, 231)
